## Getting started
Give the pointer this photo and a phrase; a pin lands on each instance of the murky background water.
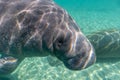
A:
(92, 16)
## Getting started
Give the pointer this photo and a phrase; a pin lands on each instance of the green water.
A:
(91, 15)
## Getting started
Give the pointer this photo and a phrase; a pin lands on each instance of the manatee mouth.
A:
(80, 61)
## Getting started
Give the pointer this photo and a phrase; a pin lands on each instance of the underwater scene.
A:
(98, 19)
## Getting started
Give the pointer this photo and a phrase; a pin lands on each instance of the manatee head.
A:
(72, 47)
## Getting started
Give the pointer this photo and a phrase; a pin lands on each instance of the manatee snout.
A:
(77, 52)
(80, 61)
(82, 55)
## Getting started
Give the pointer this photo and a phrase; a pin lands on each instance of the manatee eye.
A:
(59, 43)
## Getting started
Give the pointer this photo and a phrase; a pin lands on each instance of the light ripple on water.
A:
(39, 69)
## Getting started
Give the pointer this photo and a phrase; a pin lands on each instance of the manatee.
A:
(38, 28)
(105, 42)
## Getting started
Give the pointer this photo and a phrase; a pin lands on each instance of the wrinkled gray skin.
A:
(105, 42)
(40, 28)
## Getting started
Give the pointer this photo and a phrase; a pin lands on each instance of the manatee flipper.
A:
(8, 64)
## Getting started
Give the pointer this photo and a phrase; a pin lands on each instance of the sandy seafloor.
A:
(91, 16)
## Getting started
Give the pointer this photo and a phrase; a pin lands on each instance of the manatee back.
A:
(17, 22)
(106, 43)
(24, 24)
